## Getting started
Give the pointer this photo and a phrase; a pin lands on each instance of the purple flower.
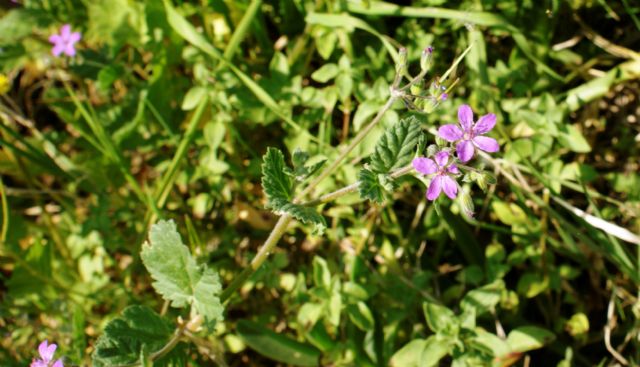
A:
(442, 170)
(46, 351)
(470, 137)
(64, 42)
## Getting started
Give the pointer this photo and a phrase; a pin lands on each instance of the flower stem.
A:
(276, 233)
(354, 143)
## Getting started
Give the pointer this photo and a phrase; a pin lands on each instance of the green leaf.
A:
(361, 316)
(177, 276)
(434, 350)
(278, 187)
(275, 182)
(370, 187)
(396, 147)
(305, 214)
(193, 98)
(440, 319)
(276, 346)
(409, 355)
(526, 338)
(571, 138)
(483, 299)
(577, 325)
(325, 73)
(125, 337)
(321, 274)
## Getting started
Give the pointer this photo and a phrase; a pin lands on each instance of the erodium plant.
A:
(291, 193)
(140, 336)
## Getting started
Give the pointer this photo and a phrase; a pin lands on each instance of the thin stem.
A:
(336, 163)
(276, 233)
(352, 188)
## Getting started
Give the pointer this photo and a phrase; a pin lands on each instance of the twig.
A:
(607, 330)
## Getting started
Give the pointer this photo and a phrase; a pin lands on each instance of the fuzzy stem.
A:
(276, 233)
(354, 143)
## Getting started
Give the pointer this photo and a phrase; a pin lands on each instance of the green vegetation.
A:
(196, 183)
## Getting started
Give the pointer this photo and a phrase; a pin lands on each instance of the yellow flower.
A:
(4, 84)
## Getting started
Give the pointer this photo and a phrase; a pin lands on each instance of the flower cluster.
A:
(46, 352)
(466, 137)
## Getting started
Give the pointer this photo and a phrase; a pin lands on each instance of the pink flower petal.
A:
(465, 117)
(453, 169)
(450, 187)
(450, 132)
(465, 150)
(47, 350)
(58, 363)
(75, 37)
(55, 39)
(65, 31)
(442, 157)
(70, 50)
(485, 124)
(424, 165)
(57, 49)
(486, 143)
(434, 188)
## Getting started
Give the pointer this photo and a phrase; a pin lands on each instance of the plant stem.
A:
(352, 188)
(276, 233)
(354, 143)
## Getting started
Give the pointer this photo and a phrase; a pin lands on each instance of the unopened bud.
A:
(425, 59)
(195, 324)
(466, 204)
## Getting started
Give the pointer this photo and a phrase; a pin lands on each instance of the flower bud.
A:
(401, 65)
(466, 204)
(195, 324)
(425, 59)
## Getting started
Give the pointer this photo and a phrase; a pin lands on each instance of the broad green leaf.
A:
(177, 276)
(498, 346)
(526, 338)
(409, 355)
(125, 337)
(369, 187)
(361, 316)
(440, 319)
(275, 183)
(325, 73)
(434, 350)
(395, 149)
(483, 299)
(571, 138)
(509, 213)
(276, 346)
(193, 97)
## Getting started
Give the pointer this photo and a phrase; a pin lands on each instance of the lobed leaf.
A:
(395, 149)
(276, 184)
(177, 276)
(370, 188)
(139, 330)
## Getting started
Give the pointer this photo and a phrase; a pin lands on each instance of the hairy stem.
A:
(354, 143)
(276, 233)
